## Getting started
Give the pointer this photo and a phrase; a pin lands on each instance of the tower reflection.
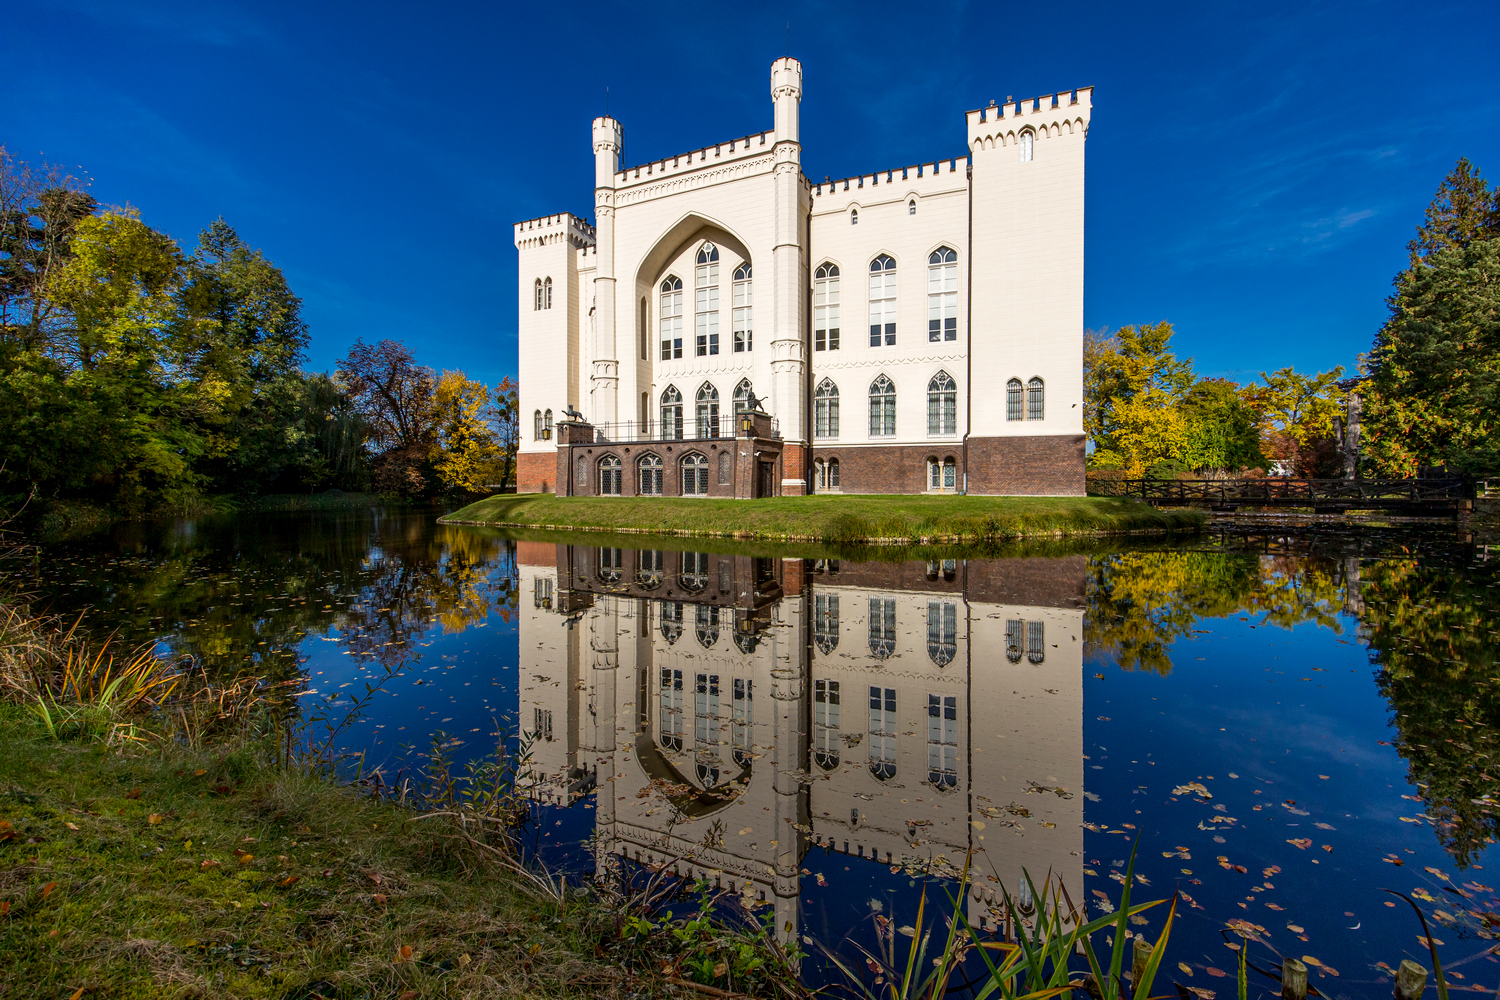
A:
(736, 712)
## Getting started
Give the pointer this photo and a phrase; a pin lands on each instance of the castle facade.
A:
(729, 327)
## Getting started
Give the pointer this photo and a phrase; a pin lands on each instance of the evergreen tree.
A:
(1463, 211)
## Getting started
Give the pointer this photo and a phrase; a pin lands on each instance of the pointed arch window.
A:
(942, 632)
(942, 476)
(1035, 399)
(609, 476)
(942, 405)
(826, 622)
(826, 724)
(695, 476)
(671, 413)
(744, 714)
(826, 410)
(1027, 139)
(536, 425)
(547, 293)
(742, 394)
(671, 318)
(882, 407)
(694, 575)
(706, 308)
(611, 565)
(649, 470)
(1013, 399)
(883, 733)
(911, 206)
(854, 217)
(671, 626)
(546, 425)
(882, 627)
(669, 724)
(707, 411)
(536, 296)
(743, 309)
(942, 295)
(707, 630)
(706, 728)
(942, 740)
(826, 308)
(649, 571)
(883, 301)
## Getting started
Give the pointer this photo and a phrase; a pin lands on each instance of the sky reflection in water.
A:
(834, 729)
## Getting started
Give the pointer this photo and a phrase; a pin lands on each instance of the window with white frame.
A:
(707, 630)
(707, 411)
(883, 301)
(1036, 642)
(706, 728)
(826, 410)
(541, 724)
(611, 564)
(942, 476)
(942, 632)
(706, 310)
(671, 413)
(854, 217)
(671, 622)
(826, 724)
(536, 296)
(743, 309)
(1035, 398)
(671, 318)
(695, 476)
(911, 206)
(942, 295)
(547, 293)
(942, 740)
(694, 575)
(1026, 146)
(882, 627)
(669, 724)
(826, 622)
(942, 404)
(882, 407)
(1013, 399)
(882, 734)
(832, 473)
(650, 475)
(650, 566)
(1015, 631)
(743, 720)
(541, 592)
(547, 424)
(609, 476)
(536, 425)
(742, 394)
(826, 308)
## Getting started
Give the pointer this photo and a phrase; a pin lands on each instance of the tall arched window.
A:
(854, 217)
(942, 404)
(743, 308)
(742, 394)
(707, 630)
(826, 723)
(911, 206)
(833, 474)
(1013, 399)
(609, 476)
(744, 707)
(611, 565)
(942, 295)
(547, 424)
(883, 733)
(547, 294)
(882, 301)
(882, 627)
(536, 426)
(707, 411)
(826, 308)
(882, 407)
(1026, 144)
(1036, 642)
(671, 624)
(706, 728)
(726, 468)
(942, 632)
(1035, 399)
(671, 413)
(694, 575)
(1014, 632)
(942, 741)
(650, 468)
(706, 310)
(826, 410)
(671, 318)
(826, 622)
(648, 570)
(694, 476)
(669, 726)
(536, 298)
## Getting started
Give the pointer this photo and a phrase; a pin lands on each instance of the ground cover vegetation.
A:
(834, 519)
(139, 376)
(1430, 384)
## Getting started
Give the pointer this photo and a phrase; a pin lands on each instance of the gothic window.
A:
(942, 631)
(643, 334)
(669, 726)
(882, 407)
(826, 724)
(671, 414)
(694, 476)
(826, 622)
(942, 404)
(911, 206)
(826, 308)
(541, 592)
(671, 318)
(547, 294)
(742, 394)
(882, 301)
(942, 295)
(743, 719)
(826, 410)
(707, 411)
(541, 727)
(1013, 639)
(583, 473)
(547, 424)
(706, 310)
(536, 425)
(609, 476)
(743, 309)
(671, 622)
(1036, 642)
(883, 733)
(650, 475)
(694, 575)
(649, 568)
(942, 740)
(1034, 399)
(708, 626)
(536, 301)
(1013, 399)
(819, 473)
(706, 728)
(833, 474)
(726, 468)
(854, 217)
(611, 565)
(1026, 144)
(882, 627)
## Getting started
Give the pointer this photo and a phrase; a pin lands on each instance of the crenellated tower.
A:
(789, 278)
(609, 135)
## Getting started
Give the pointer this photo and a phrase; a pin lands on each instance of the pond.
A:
(1289, 723)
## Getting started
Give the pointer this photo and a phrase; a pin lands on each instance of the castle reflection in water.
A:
(734, 713)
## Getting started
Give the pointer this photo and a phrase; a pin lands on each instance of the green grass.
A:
(834, 519)
(118, 876)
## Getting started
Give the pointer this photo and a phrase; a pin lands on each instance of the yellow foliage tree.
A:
(466, 456)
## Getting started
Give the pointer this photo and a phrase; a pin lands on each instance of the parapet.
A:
(937, 173)
(1066, 111)
(786, 77)
(697, 159)
(565, 227)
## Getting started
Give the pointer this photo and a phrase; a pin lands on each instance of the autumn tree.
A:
(1296, 414)
(466, 454)
(395, 396)
(505, 418)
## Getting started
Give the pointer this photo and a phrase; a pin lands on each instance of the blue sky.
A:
(1254, 170)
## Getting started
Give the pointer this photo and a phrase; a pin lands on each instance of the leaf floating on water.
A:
(1216, 973)
(1301, 843)
(1187, 970)
(1193, 788)
(1324, 826)
(1431, 871)
(1200, 992)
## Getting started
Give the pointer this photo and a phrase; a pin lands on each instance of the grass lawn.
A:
(155, 872)
(834, 519)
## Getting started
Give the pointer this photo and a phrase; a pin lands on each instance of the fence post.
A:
(1293, 980)
(1411, 980)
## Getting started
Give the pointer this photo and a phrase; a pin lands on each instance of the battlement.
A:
(554, 229)
(721, 152)
(918, 176)
(1051, 114)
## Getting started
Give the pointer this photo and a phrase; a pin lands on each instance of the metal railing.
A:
(690, 428)
(1298, 492)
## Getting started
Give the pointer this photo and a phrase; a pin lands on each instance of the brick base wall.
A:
(888, 468)
(536, 472)
(1049, 465)
(794, 465)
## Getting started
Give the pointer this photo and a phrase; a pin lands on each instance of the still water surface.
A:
(1288, 724)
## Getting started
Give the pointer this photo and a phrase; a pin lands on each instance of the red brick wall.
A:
(536, 554)
(671, 453)
(1026, 466)
(536, 473)
(889, 468)
(794, 465)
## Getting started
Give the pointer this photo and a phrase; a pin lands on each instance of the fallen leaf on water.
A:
(1324, 826)
(1323, 776)
(1272, 870)
(1187, 970)
(154, 819)
(1430, 871)
(1193, 788)
(1328, 848)
(1301, 843)
(1200, 992)
(1216, 973)
(745, 831)
(1424, 940)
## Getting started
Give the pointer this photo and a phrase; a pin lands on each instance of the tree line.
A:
(140, 375)
(1429, 386)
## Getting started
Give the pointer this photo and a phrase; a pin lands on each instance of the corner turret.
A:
(786, 91)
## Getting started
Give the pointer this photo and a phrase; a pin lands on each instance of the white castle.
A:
(715, 284)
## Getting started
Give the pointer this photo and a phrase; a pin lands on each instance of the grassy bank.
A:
(834, 519)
